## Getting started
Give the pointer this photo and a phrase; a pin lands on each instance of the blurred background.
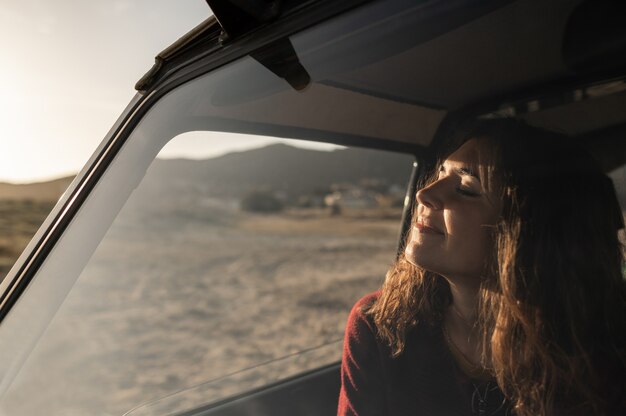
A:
(68, 70)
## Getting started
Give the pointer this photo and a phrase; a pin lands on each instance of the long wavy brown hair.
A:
(553, 301)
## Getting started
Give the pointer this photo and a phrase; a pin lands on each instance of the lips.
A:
(424, 227)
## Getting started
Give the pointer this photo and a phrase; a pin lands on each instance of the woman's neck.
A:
(460, 323)
(464, 304)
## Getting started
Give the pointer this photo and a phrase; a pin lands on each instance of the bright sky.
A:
(68, 69)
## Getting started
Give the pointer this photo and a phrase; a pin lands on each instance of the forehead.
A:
(469, 154)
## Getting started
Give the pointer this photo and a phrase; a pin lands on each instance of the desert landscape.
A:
(22, 210)
(190, 298)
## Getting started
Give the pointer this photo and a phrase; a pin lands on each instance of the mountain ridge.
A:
(37, 191)
(279, 167)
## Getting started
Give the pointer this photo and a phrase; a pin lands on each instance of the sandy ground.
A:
(177, 309)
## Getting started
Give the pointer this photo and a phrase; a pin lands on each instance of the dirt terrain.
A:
(192, 306)
(19, 220)
(23, 207)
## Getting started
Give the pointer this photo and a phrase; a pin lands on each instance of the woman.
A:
(508, 298)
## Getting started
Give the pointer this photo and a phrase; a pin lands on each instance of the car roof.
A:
(555, 64)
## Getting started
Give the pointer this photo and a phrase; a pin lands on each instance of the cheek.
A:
(469, 231)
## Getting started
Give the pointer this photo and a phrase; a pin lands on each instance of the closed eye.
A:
(467, 192)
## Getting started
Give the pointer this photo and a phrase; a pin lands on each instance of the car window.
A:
(233, 264)
(216, 254)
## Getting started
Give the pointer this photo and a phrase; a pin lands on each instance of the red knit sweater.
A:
(423, 380)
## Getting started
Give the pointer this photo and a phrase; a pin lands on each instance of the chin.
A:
(412, 255)
(419, 256)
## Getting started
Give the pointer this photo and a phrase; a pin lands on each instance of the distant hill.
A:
(278, 167)
(294, 171)
(40, 191)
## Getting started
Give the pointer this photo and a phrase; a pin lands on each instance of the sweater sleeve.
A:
(362, 388)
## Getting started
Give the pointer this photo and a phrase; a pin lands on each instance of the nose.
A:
(429, 197)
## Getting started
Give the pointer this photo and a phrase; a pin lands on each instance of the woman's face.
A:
(451, 232)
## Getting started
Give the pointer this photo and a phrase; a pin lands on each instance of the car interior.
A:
(394, 75)
(556, 65)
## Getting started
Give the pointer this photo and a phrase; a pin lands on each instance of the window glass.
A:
(218, 263)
